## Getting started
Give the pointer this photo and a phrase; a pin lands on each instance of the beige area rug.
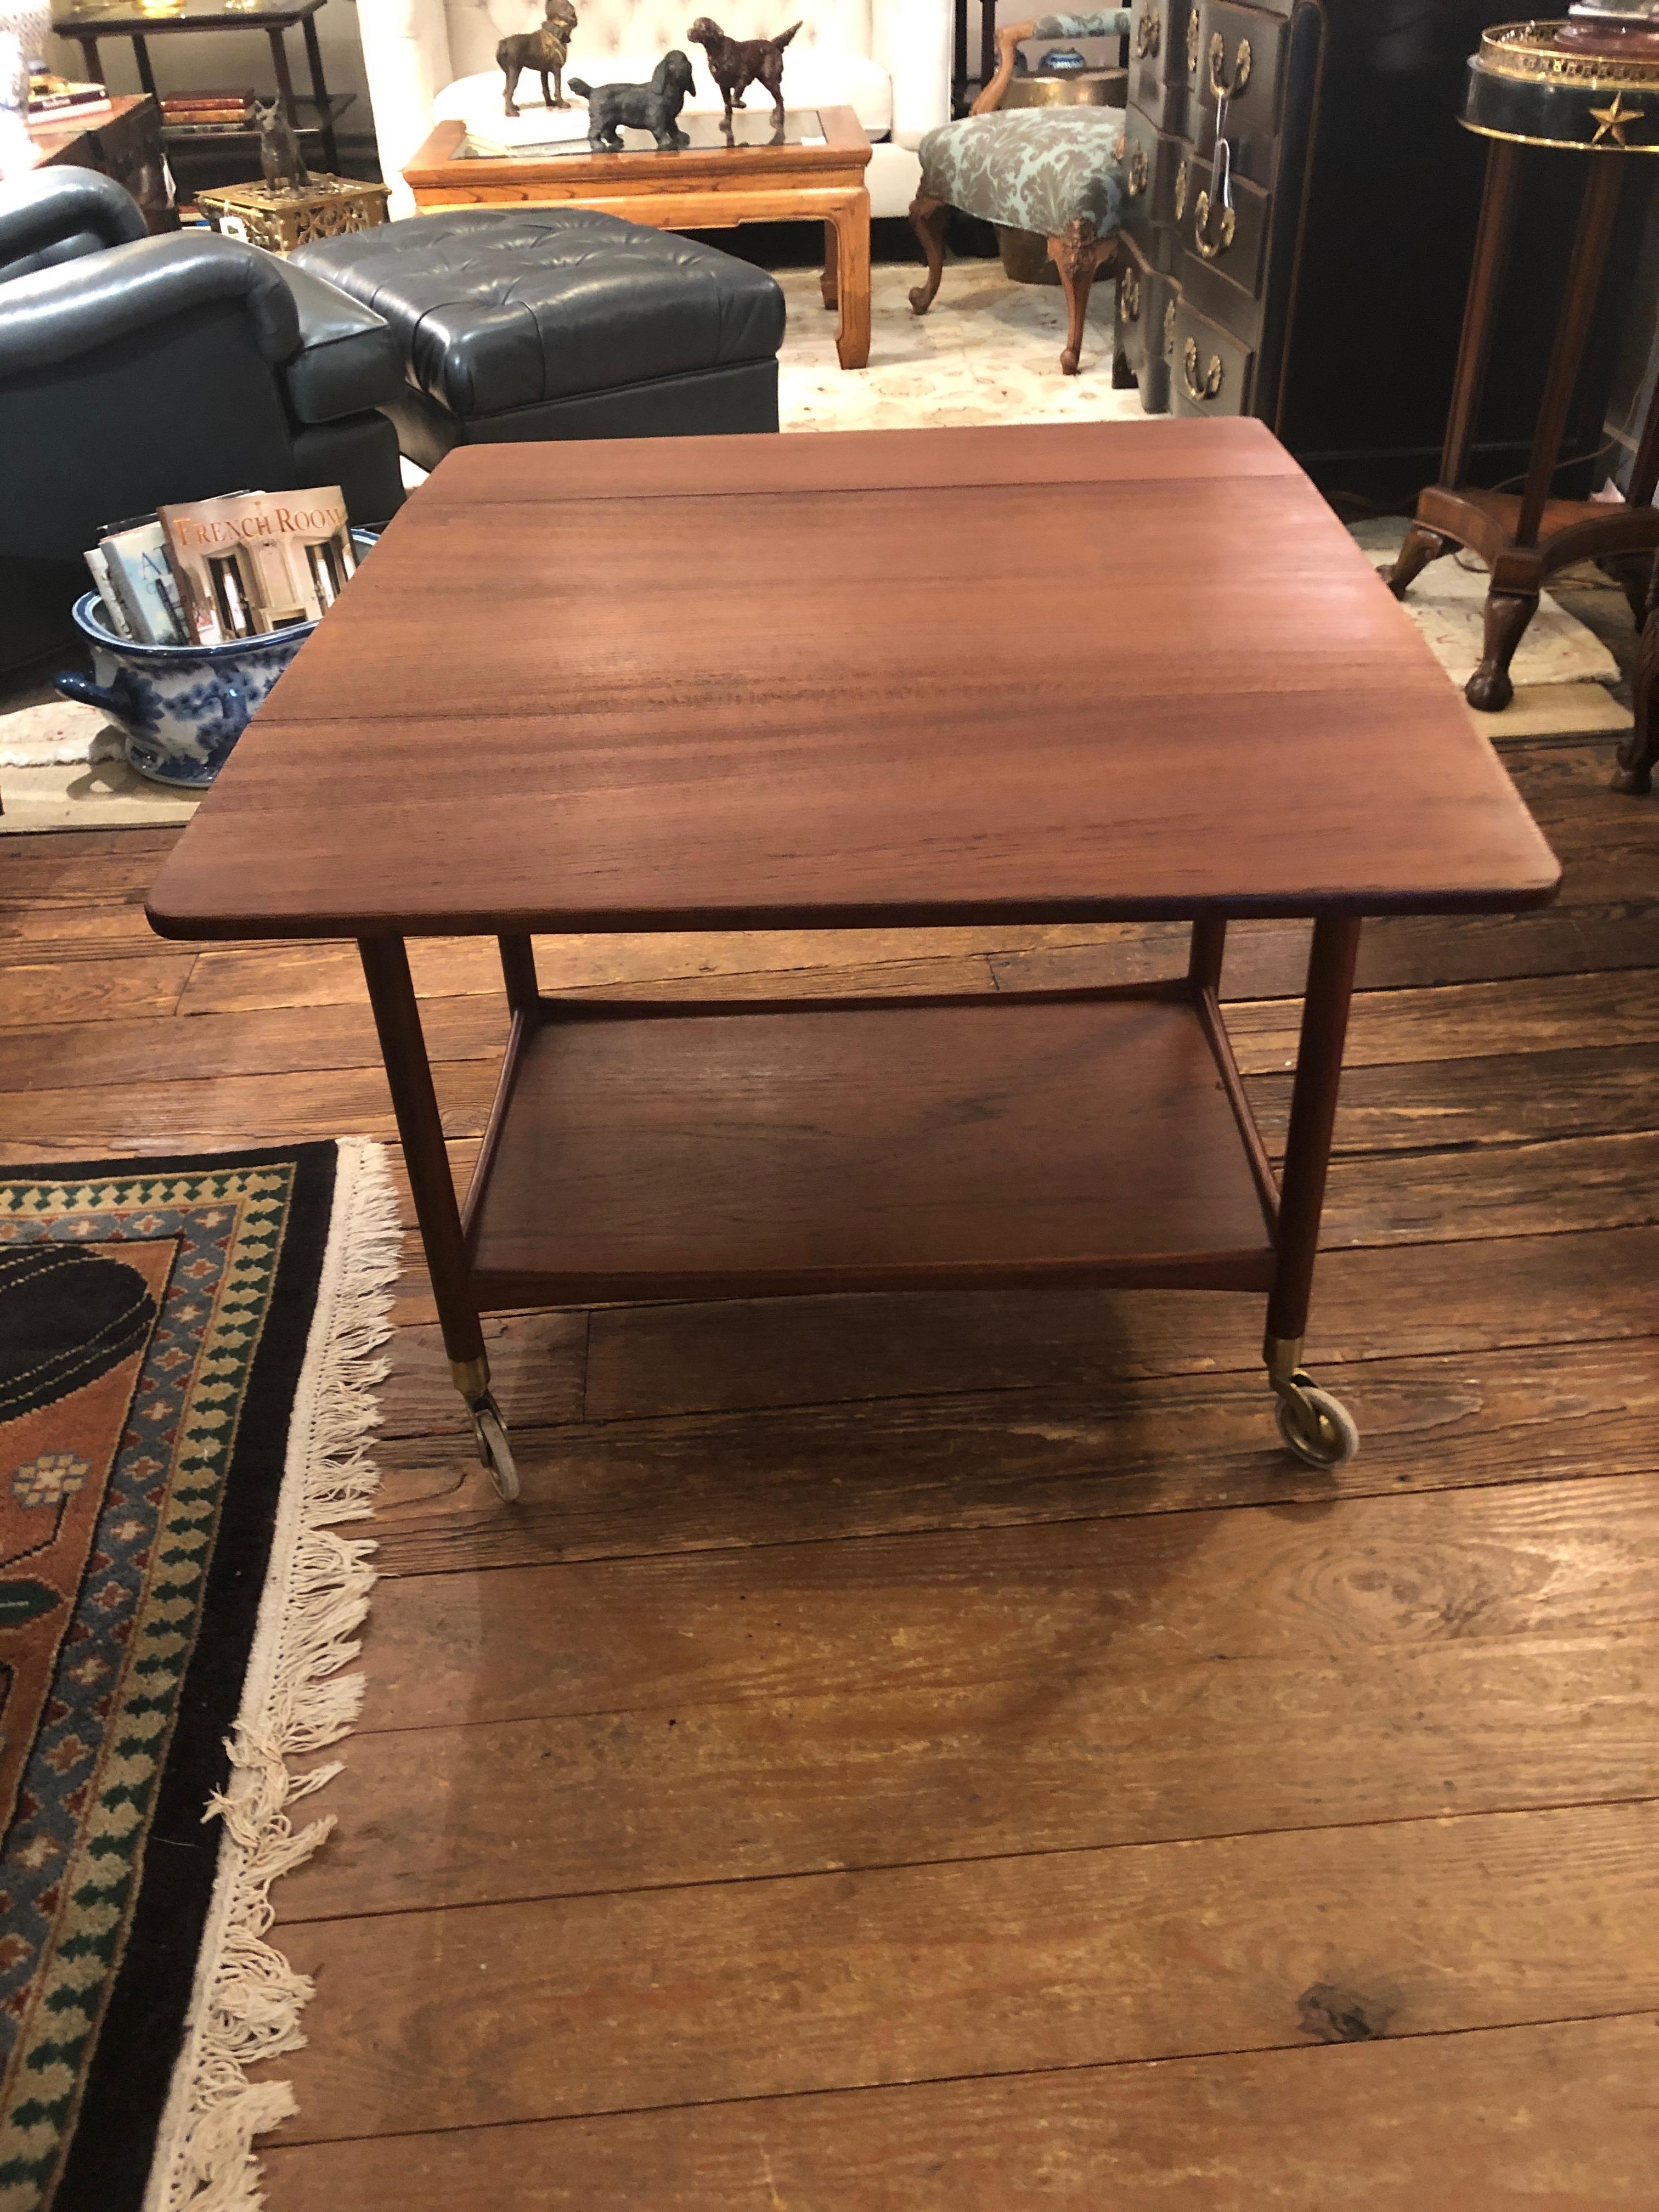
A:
(62, 766)
(987, 351)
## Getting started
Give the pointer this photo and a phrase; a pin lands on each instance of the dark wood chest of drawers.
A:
(1208, 276)
(1329, 305)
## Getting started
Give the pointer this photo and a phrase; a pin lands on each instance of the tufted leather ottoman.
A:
(561, 323)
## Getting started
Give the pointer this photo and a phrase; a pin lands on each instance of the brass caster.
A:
(494, 1453)
(1318, 1428)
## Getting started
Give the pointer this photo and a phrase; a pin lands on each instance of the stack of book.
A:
(61, 99)
(216, 569)
(208, 111)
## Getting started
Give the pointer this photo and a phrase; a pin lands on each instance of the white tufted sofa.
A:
(888, 60)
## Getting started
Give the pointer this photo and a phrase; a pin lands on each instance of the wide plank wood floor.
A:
(911, 1753)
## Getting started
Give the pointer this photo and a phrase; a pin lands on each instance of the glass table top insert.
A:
(548, 133)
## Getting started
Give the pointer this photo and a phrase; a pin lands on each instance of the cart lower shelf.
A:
(670, 1149)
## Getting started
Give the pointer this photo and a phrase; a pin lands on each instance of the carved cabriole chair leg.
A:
(1417, 547)
(928, 217)
(1078, 252)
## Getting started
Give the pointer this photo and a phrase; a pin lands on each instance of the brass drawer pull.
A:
(1192, 41)
(1242, 62)
(1148, 32)
(1213, 374)
(1129, 296)
(1180, 190)
(1209, 246)
(1135, 183)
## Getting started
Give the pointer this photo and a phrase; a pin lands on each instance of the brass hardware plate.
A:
(1134, 182)
(1180, 190)
(1148, 32)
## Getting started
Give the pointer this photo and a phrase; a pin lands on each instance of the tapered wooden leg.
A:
(827, 279)
(1316, 1426)
(927, 219)
(519, 973)
(851, 223)
(1508, 614)
(1637, 755)
(1419, 547)
(415, 1103)
(1076, 252)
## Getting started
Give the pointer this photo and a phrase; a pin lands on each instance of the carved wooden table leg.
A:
(852, 227)
(1507, 615)
(1637, 755)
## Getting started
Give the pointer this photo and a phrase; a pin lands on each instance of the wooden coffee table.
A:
(442, 759)
(711, 185)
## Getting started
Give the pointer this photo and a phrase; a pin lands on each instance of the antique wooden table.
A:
(89, 20)
(124, 142)
(812, 171)
(780, 683)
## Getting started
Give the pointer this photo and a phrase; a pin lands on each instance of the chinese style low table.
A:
(719, 684)
(811, 170)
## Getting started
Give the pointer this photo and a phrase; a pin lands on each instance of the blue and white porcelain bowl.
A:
(182, 707)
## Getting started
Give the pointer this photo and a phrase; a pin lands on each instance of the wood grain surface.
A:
(1523, 2119)
(1275, 737)
(794, 1150)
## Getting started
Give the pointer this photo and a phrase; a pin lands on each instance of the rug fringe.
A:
(247, 1998)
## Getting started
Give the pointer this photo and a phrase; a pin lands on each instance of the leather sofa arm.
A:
(349, 359)
(56, 315)
(59, 214)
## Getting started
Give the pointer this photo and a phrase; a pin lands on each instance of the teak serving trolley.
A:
(548, 702)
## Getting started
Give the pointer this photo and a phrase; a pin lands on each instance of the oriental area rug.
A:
(187, 1357)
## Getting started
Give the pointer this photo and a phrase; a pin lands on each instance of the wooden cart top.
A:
(1103, 671)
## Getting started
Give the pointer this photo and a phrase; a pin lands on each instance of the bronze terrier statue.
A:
(541, 50)
(735, 64)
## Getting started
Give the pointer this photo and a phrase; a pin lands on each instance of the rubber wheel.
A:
(495, 1452)
(1318, 1428)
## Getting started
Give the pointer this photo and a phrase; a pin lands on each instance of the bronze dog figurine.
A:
(654, 108)
(542, 50)
(281, 162)
(735, 63)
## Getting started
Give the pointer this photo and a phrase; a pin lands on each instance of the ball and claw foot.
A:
(1318, 1428)
(494, 1453)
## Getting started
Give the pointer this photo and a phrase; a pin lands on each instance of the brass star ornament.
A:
(1614, 120)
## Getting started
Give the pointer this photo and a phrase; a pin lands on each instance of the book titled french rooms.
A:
(259, 560)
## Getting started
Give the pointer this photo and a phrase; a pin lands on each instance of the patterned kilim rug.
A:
(185, 1398)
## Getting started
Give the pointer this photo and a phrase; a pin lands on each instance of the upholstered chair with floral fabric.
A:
(1056, 171)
